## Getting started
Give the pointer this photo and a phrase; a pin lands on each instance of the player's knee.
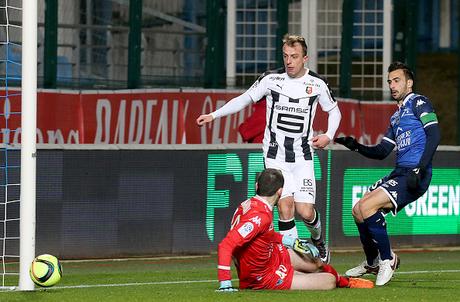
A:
(356, 212)
(331, 282)
(307, 214)
(286, 206)
(306, 211)
(366, 208)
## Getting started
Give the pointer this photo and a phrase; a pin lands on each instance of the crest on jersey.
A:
(309, 89)
(246, 229)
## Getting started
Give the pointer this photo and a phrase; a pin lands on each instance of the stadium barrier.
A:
(99, 201)
(162, 116)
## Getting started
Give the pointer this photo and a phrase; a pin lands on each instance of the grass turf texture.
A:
(423, 276)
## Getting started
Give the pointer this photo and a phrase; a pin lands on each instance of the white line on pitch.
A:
(133, 284)
(426, 272)
(206, 281)
(209, 281)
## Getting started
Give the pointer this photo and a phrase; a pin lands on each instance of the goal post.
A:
(28, 143)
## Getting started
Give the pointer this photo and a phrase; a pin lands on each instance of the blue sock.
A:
(377, 227)
(369, 246)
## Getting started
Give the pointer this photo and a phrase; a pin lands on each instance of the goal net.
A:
(18, 147)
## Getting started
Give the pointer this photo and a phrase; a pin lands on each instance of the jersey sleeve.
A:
(326, 98)
(242, 233)
(390, 136)
(382, 149)
(423, 110)
(258, 90)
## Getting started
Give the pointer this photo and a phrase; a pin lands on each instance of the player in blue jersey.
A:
(415, 133)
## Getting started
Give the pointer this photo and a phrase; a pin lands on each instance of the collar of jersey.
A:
(407, 98)
(264, 201)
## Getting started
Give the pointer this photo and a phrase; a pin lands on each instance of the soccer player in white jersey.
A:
(292, 95)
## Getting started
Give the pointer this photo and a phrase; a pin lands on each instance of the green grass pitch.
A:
(423, 276)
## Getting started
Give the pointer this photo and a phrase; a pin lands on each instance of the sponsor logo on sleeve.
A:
(246, 229)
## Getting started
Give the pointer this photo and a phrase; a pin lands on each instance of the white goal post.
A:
(28, 143)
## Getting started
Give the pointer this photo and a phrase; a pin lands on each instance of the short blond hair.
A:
(290, 41)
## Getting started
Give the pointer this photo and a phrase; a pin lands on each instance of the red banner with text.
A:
(161, 117)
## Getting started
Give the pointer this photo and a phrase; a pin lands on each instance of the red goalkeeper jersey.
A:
(261, 259)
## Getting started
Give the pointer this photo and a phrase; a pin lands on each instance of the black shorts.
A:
(395, 185)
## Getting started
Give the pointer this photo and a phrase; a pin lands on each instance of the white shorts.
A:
(299, 178)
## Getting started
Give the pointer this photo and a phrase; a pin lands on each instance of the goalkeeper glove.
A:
(301, 246)
(348, 142)
(414, 178)
(305, 248)
(226, 286)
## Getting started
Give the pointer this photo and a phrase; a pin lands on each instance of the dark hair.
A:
(290, 41)
(399, 65)
(269, 181)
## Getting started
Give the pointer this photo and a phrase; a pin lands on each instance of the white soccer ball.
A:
(45, 270)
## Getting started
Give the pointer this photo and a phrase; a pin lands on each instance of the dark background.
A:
(116, 203)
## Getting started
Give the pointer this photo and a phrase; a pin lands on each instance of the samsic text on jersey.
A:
(291, 107)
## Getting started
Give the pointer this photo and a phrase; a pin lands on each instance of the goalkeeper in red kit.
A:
(265, 259)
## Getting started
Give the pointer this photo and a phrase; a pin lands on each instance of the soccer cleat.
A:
(323, 249)
(360, 283)
(363, 269)
(387, 268)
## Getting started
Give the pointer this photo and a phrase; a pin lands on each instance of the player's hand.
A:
(226, 286)
(320, 141)
(414, 178)
(348, 142)
(305, 248)
(204, 118)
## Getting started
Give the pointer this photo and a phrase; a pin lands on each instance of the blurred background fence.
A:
(181, 43)
(119, 44)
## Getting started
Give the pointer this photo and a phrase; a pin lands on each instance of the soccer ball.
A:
(45, 270)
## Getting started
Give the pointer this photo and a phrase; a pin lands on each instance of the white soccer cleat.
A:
(386, 270)
(363, 269)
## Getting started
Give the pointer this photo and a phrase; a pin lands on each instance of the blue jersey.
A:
(406, 130)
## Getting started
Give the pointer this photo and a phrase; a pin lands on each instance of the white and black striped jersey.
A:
(291, 107)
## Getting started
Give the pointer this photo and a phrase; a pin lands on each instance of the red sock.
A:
(340, 281)
(343, 282)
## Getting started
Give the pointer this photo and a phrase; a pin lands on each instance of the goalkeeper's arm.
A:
(224, 255)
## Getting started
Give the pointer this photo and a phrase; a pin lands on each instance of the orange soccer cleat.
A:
(360, 283)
